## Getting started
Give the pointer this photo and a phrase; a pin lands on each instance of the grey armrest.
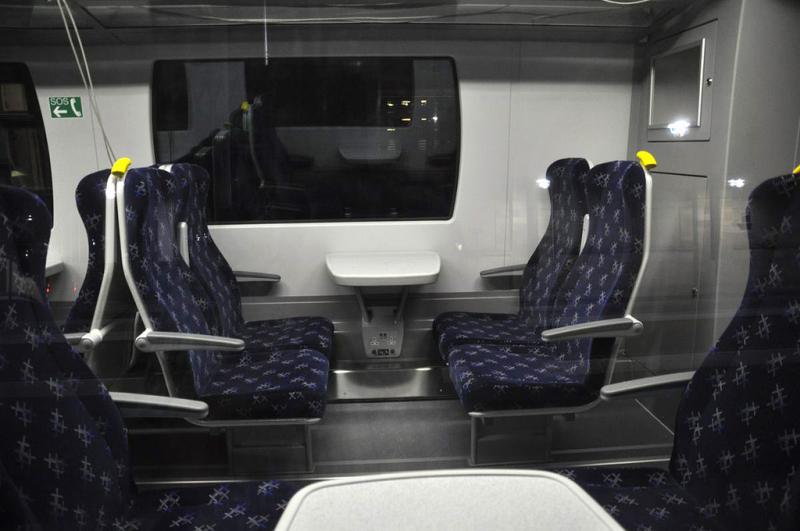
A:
(505, 271)
(642, 386)
(156, 406)
(150, 341)
(74, 338)
(620, 327)
(264, 277)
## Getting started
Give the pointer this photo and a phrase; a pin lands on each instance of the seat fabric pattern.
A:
(544, 272)
(211, 268)
(737, 437)
(228, 506)
(456, 328)
(490, 377)
(736, 451)
(90, 196)
(64, 447)
(64, 461)
(642, 499)
(281, 384)
(176, 301)
(597, 287)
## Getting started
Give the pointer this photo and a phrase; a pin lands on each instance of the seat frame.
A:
(88, 341)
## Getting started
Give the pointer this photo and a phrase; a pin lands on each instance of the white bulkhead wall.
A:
(523, 105)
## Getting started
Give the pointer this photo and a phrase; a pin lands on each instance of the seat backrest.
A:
(601, 282)
(63, 450)
(90, 196)
(737, 433)
(206, 260)
(559, 247)
(168, 295)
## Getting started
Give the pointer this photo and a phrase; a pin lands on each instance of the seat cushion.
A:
(315, 333)
(272, 385)
(229, 506)
(494, 377)
(456, 328)
(642, 498)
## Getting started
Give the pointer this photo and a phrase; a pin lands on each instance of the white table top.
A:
(53, 265)
(363, 269)
(454, 499)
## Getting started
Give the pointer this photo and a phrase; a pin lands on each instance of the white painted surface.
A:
(454, 499)
(367, 269)
(522, 106)
(53, 265)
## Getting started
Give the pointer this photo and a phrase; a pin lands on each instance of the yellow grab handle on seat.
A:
(796, 170)
(646, 159)
(121, 166)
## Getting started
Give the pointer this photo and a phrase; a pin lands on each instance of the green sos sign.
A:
(65, 107)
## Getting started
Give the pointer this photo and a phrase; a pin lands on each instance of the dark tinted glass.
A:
(307, 139)
(24, 158)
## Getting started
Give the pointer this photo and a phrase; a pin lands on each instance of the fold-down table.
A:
(382, 326)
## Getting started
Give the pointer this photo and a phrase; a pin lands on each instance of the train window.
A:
(23, 145)
(314, 139)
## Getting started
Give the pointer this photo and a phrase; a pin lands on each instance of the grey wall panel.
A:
(550, 105)
(703, 158)
(668, 299)
(569, 100)
(763, 138)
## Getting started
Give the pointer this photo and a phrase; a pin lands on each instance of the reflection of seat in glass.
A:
(272, 164)
(736, 452)
(64, 450)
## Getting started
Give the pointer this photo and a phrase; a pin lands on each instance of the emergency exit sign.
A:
(66, 107)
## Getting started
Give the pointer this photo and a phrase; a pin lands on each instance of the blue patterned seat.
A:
(597, 287)
(642, 498)
(736, 456)
(64, 460)
(90, 196)
(257, 383)
(211, 268)
(544, 272)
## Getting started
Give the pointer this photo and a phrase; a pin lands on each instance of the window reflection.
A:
(314, 138)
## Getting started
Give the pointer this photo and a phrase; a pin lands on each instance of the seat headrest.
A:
(769, 214)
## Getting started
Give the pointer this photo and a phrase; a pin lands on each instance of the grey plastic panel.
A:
(252, 275)
(451, 499)
(646, 385)
(153, 406)
(505, 271)
(672, 285)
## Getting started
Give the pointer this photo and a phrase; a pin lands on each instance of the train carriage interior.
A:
(441, 264)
